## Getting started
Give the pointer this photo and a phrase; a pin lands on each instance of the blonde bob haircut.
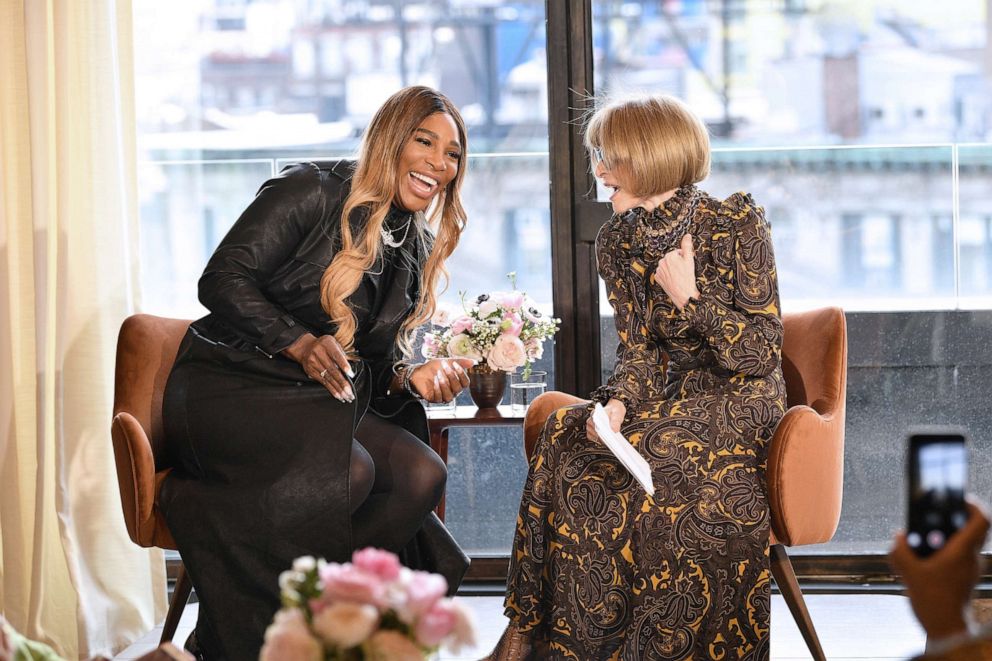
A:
(654, 143)
(374, 186)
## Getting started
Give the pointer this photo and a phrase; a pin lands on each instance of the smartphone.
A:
(938, 473)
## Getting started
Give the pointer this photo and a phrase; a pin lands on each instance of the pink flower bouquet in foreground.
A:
(504, 330)
(372, 608)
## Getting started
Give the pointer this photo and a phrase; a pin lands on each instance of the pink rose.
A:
(423, 589)
(391, 646)
(434, 626)
(507, 354)
(463, 633)
(534, 348)
(461, 324)
(380, 563)
(348, 583)
(346, 624)
(288, 639)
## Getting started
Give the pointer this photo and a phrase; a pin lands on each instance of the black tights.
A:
(396, 480)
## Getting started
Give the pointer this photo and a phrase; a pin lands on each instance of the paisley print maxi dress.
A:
(601, 570)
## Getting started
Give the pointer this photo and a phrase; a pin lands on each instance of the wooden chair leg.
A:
(785, 578)
(180, 595)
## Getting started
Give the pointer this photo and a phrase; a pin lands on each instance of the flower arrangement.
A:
(369, 609)
(504, 330)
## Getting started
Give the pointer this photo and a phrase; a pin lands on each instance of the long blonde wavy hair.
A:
(374, 187)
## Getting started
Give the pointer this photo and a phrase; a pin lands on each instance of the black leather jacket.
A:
(262, 284)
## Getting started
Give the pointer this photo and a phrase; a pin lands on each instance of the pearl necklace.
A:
(387, 235)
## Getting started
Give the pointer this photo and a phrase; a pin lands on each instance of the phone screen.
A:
(938, 471)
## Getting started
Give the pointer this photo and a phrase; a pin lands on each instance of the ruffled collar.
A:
(652, 234)
(669, 212)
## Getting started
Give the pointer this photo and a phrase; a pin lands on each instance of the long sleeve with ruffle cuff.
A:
(744, 332)
(638, 374)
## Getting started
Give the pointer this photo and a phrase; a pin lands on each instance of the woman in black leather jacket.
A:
(291, 412)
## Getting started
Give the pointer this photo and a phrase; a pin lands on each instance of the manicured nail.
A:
(349, 393)
(350, 372)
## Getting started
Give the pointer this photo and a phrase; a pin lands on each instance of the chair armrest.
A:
(806, 476)
(538, 413)
(139, 483)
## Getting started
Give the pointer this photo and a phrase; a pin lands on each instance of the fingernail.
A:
(350, 372)
(350, 393)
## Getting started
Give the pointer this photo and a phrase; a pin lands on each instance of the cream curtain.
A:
(69, 575)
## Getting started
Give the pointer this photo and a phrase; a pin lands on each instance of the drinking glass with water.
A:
(523, 389)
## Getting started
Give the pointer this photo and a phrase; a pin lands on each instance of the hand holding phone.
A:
(939, 587)
(938, 473)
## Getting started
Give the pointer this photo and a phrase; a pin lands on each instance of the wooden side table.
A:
(441, 420)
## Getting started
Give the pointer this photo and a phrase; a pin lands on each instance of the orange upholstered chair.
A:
(146, 349)
(806, 457)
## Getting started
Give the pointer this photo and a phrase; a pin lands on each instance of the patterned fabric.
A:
(601, 570)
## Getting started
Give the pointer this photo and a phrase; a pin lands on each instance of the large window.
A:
(229, 91)
(860, 127)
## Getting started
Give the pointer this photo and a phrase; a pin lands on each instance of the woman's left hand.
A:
(676, 273)
(439, 380)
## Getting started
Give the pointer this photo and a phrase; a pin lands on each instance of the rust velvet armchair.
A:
(146, 349)
(806, 457)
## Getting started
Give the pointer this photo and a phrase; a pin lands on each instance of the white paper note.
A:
(622, 449)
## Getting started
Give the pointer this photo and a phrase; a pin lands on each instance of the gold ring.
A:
(323, 373)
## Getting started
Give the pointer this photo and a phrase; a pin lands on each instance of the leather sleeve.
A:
(264, 238)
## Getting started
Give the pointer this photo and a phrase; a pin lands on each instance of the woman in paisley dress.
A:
(600, 569)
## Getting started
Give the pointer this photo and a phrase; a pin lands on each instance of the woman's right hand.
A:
(441, 379)
(940, 586)
(615, 411)
(323, 360)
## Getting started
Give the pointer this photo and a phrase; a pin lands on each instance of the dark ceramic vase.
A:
(486, 385)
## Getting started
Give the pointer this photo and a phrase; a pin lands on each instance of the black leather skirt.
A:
(262, 456)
